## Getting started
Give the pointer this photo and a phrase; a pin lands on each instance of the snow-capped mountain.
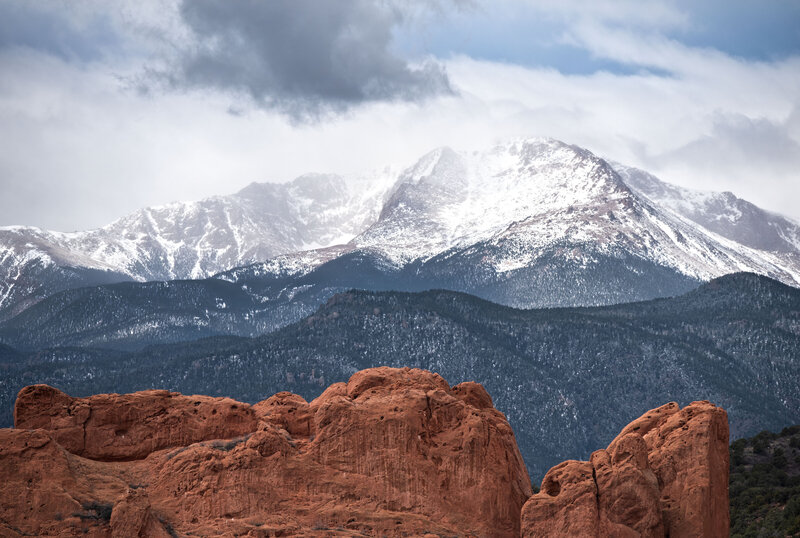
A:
(530, 222)
(720, 212)
(512, 206)
(189, 240)
(530, 195)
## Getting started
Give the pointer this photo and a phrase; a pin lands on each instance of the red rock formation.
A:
(288, 411)
(666, 474)
(48, 491)
(390, 452)
(132, 516)
(129, 426)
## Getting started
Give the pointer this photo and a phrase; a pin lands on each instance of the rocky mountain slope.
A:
(530, 222)
(720, 212)
(188, 239)
(391, 452)
(534, 223)
(529, 196)
(250, 302)
(565, 378)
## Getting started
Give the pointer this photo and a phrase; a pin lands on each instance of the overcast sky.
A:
(106, 106)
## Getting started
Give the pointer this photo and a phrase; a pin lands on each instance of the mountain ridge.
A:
(514, 222)
(599, 366)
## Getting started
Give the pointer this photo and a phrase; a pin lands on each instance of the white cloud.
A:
(81, 148)
(638, 13)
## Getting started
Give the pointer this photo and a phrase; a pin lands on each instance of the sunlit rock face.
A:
(391, 452)
(666, 474)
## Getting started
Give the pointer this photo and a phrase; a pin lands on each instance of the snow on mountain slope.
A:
(514, 215)
(198, 239)
(719, 212)
(534, 194)
(195, 239)
(453, 199)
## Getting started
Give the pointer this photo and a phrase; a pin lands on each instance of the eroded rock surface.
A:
(129, 426)
(666, 474)
(391, 452)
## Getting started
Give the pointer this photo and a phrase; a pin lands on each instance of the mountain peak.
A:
(451, 198)
(506, 208)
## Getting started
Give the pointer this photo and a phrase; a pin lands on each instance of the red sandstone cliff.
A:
(394, 452)
(666, 474)
(390, 452)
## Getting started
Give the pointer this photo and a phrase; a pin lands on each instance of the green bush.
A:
(765, 495)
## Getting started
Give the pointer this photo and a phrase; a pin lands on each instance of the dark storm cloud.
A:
(302, 57)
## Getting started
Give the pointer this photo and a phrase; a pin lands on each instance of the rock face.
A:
(392, 452)
(129, 426)
(666, 474)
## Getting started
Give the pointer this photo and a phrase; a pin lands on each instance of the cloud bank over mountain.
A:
(107, 108)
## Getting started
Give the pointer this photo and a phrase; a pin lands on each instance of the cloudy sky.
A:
(106, 106)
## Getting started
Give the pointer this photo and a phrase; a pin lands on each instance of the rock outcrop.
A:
(392, 452)
(666, 474)
(129, 426)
